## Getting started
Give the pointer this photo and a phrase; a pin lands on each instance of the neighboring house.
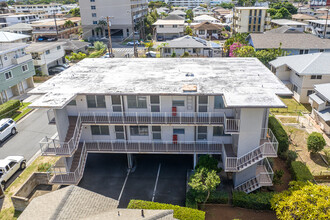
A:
(190, 106)
(198, 11)
(193, 45)
(20, 28)
(170, 27)
(306, 10)
(284, 30)
(59, 30)
(301, 73)
(185, 3)
(11, 19)
(39, 8)
(16, 70)
(293, 43)
(302, 18)
(250, 19)
(319, 3)
(285, 22)
(320, 102)
(74, 46)
(207, 30)
(203, 18)
(73, 202)
(180, 13)
(318, 27)
(124, 15)
(7, 37)
(46, 55)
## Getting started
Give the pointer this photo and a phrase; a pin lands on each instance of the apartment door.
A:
(203, 103)
(178, 135)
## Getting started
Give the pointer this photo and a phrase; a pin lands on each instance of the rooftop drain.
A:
(189, 75)
(189, 88)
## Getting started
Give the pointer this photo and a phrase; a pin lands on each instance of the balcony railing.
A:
(153, 117)
(123, 146)
(58, 173)
(22, 59)
(268, 148)
(231, 125)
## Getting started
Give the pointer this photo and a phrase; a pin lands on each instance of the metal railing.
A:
(267, 149)
(153, 117)
(59, 174)
(232, 125)
(154, 146)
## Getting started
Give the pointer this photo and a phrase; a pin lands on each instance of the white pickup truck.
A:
(7, 128)
(9, 166)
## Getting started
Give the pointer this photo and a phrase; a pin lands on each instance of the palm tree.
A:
(102, 24)
(68, 24)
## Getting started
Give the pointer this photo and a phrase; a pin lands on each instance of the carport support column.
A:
(195, 160)
(129, 161)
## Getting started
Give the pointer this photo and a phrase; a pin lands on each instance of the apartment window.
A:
(309, 92)
(175, 26)
(119, 130)
(202, 103)
(167, 50)
(5, 57)
(202, 133)
(255, 12)
(58, 47)
(25, 68)
(258, 28)
(139, 130)
(72, 102)
(249, 28)
(92, 0)
(95, 101)
(218, 102)
(250, 20)
(94, 22)
(218, 131)
(316, 76)
(8, 75)
(93, 7)
(161, 26)
(47, 52)
(196, 50)
(201, 31)
(176, 103)
(321, 50)
(295, 88)
(178, 131)
(100, 130)
(136, 101)
(250, 12)
(156, 133)
(116, 103)
(93, 15)
(155, 103)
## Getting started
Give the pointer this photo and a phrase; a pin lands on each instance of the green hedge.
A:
(259, 201)
(216, 197)
(6, 109)
(280, 134)
(181, 213)
(300, 171)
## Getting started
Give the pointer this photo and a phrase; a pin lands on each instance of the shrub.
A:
(7, 108)
(315, 142)
(327, 155)
(280, 134)
(173, 54)
(259, 201)
(218, 197)
(185, 54)
(193, 197)
(208, 162)
(300, 171)
(44, 167)
(278, 174)
(291, 156)
(96, 53)
(98, 45)
(181, 213)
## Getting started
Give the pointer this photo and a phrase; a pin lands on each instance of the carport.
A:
(154, 177)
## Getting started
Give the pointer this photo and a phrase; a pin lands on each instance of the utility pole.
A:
(326, 24)
(109, 35)
(55, 24)
(133, 27)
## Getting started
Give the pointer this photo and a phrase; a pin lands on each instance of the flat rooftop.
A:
(287, 22)
(244, 82)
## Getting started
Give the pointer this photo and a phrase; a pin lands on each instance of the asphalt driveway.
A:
(159, 178)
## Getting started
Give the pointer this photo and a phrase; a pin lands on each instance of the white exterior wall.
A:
(62, 122)
(241, 20)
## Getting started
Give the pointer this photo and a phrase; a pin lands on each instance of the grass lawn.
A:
(7, 211)
(41, 79)
(294, 107)
(23, 110)
(288, 119)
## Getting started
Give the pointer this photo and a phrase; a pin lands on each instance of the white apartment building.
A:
(46, 55)
(164, 106)
(301, 73)
(16, 70)
(11, 19)
(318, 27)
(250, 19)
(39, 8)
(187, 3)
(170, 27)
(124, 14)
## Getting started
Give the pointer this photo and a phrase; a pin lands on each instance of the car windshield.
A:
(3, 127)
(1, 172)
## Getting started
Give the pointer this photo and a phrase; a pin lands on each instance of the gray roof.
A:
(324, 114)
(288, 41)
(177, 12)
(316, 98)
(244, 82)
(71, 202)
(323, 89)
(18, 26)
(282, 30)
(9, 47)
(7, 37)
(42, 46)
(73, 44)
(191, 42)
(306, 64)
(173, 17)
(287, 22)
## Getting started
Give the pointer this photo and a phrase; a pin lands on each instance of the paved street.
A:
(30, 131)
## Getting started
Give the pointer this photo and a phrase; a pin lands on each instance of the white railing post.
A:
(108, 115)
(94, 117)
(137, 120)
(139, 146)
(165, 118)
(98, 145)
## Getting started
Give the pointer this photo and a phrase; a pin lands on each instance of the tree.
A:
(208, 162)
(282, 13)
(149, 45)
(289, 6)
(227, 5)
(302, 201)
(189, 14)
(203, 5)
(272, 11)
(315, 142)
(102, 24)
(75, 12)
(98, 45)
(188, 31)
(204, 181)
(76, 56)
(245, 51)
(3, 7)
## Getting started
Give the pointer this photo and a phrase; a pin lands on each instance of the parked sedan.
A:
(56, 69)
(7, 128)
(131, 43)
